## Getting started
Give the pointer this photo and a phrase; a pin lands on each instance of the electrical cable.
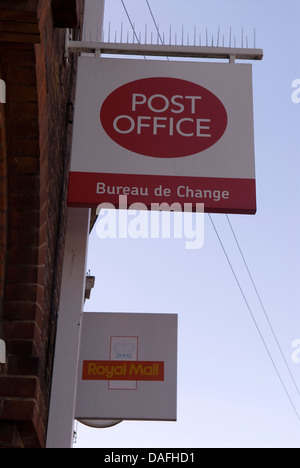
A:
(155, 24)
(263, 308)
(253, 318)
(131, 23)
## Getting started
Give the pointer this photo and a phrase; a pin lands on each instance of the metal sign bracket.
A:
(161, 50)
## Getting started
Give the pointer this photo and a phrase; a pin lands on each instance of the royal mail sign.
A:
(128, 370)
(184, 127)
(127, 367)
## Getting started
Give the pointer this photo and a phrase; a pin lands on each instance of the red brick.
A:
(43, 231)
(23, 218)
(22, 365)
(19, 311)
(24, 148)
(26, 165)
(40, 295)
(19, 330)
(26, 201)
(21, 274)
(65, 13)
(21, 93)
(33, 433)
(23, 56)
(21, 347)
(4, 200)
(39, 316)
(3, 219)
(23, 255)
(41, 274)
(20, 111)
(16, 75)
(9, 435)
(23, 237)
(3, 236)
(18, 387)
(18, 410)
(20, 292)
(24, 183)
(23, 128)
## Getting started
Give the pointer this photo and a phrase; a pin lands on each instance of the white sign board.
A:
(158, 131)
(127, 367)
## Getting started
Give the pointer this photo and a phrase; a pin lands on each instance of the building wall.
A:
(35, 134)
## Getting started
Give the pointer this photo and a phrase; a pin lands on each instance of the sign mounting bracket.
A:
(178, 51)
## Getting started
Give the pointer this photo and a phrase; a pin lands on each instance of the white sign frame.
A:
(227, 167)
(144, 400)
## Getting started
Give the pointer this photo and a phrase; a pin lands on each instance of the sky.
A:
(229, 393)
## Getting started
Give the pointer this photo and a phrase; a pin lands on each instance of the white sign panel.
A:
(127, 367)
(158, 131)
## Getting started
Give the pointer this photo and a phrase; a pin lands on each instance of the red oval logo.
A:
(163, 117)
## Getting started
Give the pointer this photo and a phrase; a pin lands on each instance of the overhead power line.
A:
(131, 23)
(262, 306)
(254, 321)
(155, 24)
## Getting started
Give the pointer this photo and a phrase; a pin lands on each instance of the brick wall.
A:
(34, 178)
(3, 210)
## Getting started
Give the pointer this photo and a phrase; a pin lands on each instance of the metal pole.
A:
(64, 382)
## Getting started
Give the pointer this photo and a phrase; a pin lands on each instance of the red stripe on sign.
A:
(218, 195)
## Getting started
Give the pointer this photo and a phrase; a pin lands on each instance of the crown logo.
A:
(124, 350)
